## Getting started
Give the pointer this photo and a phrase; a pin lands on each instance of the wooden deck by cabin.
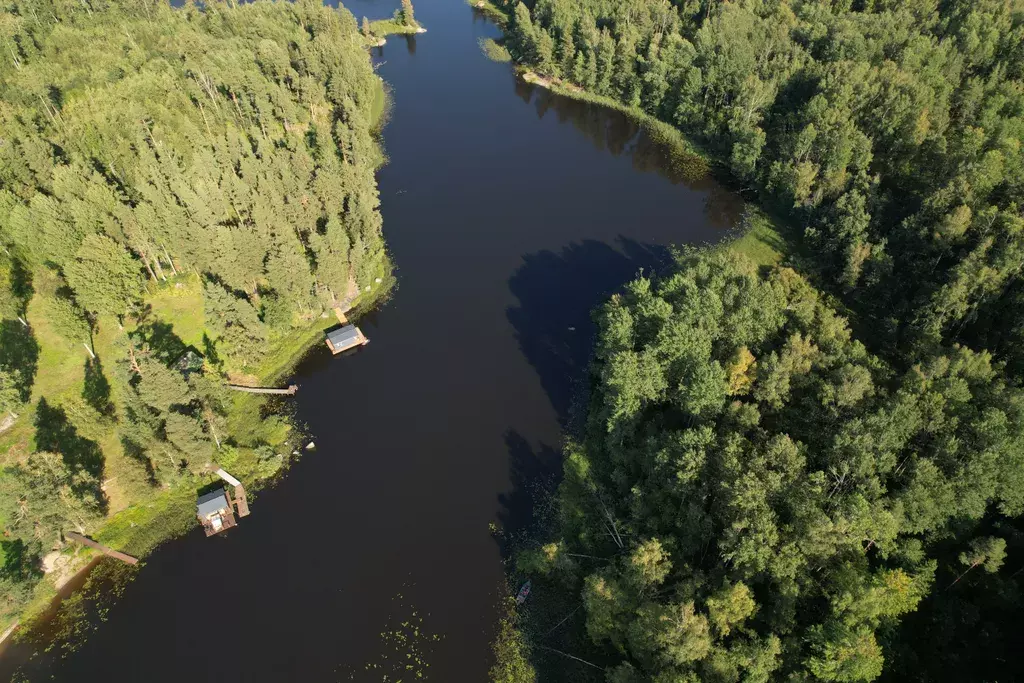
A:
(216, 509)
(345, 338)
(215, 512)
(240, 502)
(226, 522)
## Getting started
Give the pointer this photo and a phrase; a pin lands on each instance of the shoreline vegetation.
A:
(165, 275)
(141, 529)
(783, 473)
(403, 22)
(764, 236)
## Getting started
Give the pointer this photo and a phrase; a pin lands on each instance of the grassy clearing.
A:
(388, 27)
(761, 241)
(180, 303)
(380, 108)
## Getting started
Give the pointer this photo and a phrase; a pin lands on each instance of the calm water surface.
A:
(510, 213)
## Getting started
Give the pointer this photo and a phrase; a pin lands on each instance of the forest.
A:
(810, 470)
(183, 193)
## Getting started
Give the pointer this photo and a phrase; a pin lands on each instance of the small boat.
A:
(524, 593)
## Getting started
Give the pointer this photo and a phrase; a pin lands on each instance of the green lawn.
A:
(761, 241)
(180, 302)
(387, 27)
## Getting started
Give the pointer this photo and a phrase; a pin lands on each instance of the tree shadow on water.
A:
(55, 433)
(557, 293)
(534, 476)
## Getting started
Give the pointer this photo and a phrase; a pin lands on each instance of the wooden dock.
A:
(241, 502)
(85, 540)
(226, 522)
(289, 391)
(238, 499)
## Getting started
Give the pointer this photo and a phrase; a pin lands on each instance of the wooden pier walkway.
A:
(289, 391)
(239, 499)
(85, 540)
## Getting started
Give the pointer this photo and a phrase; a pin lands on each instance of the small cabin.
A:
(345, 338)
(215, 512)
(189, 363)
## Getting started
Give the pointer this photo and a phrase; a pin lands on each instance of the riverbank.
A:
(140, 528)
(764, 237)
(382, 28)
(400, 471)
(761, 237)
(145, 487)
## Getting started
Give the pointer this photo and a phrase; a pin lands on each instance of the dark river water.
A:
(510, 213)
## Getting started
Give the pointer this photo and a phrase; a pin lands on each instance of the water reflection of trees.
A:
(612, 131)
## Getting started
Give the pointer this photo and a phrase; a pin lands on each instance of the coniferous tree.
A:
(104, 276)
(42, 498)
(10, 393)
(407, 13)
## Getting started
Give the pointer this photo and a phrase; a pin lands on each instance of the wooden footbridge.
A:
(238, 499)
(289, 390)
(85, 540)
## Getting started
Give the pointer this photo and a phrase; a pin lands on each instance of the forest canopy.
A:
(890, 132)
(232, 142)
(182, 192)
(768, 493)
(809, 472)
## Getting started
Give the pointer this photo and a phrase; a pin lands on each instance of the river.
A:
(509, 213)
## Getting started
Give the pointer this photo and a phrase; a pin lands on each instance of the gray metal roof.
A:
(211, 502)
(343, 336)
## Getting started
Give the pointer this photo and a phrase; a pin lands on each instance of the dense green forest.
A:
(890, 133)
(183, 193)
(813, 472)
(757, 495)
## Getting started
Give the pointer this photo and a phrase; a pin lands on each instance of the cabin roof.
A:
(189, 362)
(211, 502)
(343, 336)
